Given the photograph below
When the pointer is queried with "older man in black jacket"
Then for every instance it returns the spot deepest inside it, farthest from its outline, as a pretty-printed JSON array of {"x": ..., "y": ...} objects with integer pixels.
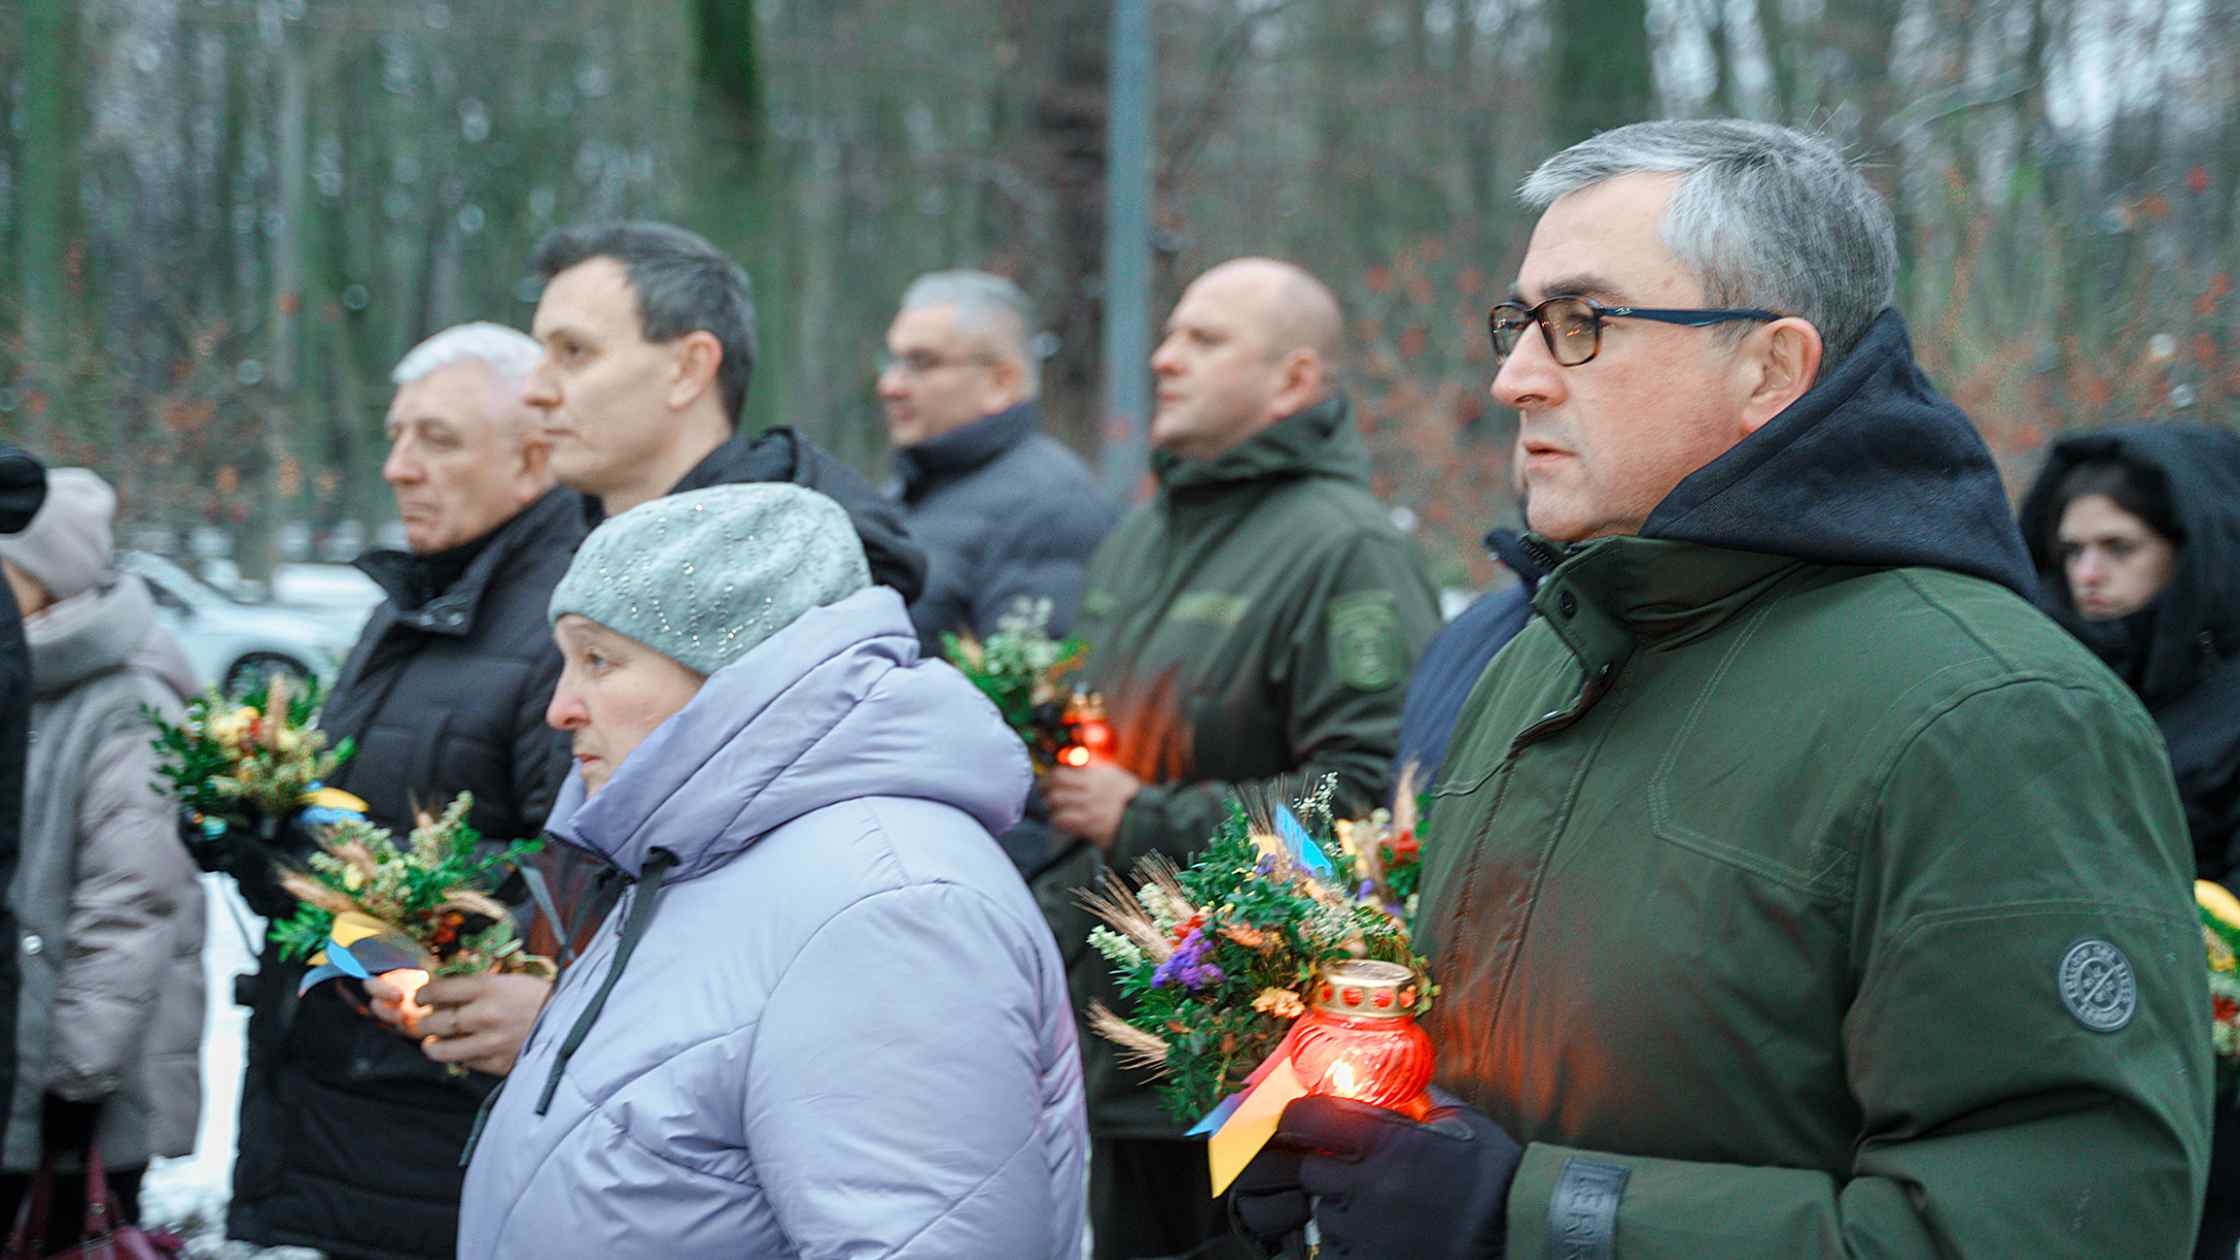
[{"x": 350, "y": 1138}]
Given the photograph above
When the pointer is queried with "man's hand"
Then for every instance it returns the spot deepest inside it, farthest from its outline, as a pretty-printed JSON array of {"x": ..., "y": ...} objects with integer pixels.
[
  {"x": 1380, "y": 1184},
  {"x": 479, "y": 1022},
  {"x": 1088, "y": 801}
]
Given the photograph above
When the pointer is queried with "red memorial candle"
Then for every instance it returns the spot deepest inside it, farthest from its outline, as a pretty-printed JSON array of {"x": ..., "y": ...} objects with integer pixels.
[{"x": 1360, "y": 1039}]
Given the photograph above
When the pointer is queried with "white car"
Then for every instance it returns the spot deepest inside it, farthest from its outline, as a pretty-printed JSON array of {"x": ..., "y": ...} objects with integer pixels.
[{"x": 231, "y": 644}]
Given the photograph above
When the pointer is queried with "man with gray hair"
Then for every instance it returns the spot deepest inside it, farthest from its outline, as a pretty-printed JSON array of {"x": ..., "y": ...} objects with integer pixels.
[
  {"x": 1794, "y": 887},
  {"x": 444, "y": 693},
  {"x": 1006, "y": 514}
]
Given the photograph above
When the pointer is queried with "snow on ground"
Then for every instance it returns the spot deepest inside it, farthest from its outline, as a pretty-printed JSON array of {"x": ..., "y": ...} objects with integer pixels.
[{"x": 190, "y": 1193}]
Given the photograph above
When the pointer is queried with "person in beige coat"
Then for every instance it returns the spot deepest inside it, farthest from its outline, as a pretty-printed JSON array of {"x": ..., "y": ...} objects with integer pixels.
[{"x": 109, "y": 913}]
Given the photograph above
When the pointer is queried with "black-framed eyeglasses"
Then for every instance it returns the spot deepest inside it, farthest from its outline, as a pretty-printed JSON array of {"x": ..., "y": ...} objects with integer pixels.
[
  {"x": 924, "y": 362},
  {"x": 1572, "y": 325}
]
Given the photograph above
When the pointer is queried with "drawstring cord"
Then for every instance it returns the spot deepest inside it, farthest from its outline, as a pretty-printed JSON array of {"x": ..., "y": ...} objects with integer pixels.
[{"x": 641, "y": 913}]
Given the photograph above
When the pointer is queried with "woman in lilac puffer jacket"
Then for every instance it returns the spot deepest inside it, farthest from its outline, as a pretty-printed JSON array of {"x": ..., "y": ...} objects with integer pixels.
[{"x": 826, "y": 1018}]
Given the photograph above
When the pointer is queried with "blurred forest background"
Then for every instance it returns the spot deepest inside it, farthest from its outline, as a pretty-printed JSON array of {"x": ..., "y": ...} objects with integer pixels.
[{"x": 222, "y": 221}]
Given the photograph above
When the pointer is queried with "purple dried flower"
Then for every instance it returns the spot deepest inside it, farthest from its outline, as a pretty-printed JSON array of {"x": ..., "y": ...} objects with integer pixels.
[{"x": 1189, "y": 966}]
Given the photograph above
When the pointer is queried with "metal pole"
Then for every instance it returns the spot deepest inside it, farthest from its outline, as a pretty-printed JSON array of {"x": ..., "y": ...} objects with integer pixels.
[{"x": 1127, "y": 247}]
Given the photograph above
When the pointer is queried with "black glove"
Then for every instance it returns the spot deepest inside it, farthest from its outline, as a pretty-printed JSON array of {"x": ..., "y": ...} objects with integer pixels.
[
  {"x": 66, "y": 1127},
  {"x": 1380, "y": 1184}
]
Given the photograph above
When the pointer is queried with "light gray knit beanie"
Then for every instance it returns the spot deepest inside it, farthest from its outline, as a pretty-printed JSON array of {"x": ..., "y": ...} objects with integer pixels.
[
  {"x": 70, "y": 545},
  {"x": 703, "y": 577}
]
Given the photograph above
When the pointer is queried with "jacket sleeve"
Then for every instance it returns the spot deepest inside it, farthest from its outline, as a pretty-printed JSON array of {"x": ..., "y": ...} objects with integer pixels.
[
  {"x": 896, "y": 1094},
  {"x": 1343, "y": 664},
  {"x": 2020, "y": 1093},
  {"x": 131, "y": 876}
]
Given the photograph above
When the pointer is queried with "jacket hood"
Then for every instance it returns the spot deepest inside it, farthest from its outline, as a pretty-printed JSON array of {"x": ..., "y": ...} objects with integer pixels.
[
  {"x": 1871, "y": 467},
  {"x": 109, "y": 627},
  {"x": 1318, "y": 442},
  {"x": 2196, "y": 620},
  {"x": 835, "y": 707}
]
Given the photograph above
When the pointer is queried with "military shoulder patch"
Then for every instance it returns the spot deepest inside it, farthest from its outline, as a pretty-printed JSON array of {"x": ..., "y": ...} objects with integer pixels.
[
  {"x": 2098, "y": 985},
  {"x": 1365, "y": 641}
]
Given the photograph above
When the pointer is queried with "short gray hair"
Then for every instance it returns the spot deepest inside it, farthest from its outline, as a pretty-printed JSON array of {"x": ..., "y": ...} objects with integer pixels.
[
  {"x": 510, "y": 353},
  {"x": 1764, "y": 216},
  {"x": 985, "y": 303}
]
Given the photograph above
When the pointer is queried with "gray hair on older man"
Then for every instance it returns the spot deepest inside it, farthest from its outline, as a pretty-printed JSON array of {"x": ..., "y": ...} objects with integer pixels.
[{"x": 1765, "y": 216}]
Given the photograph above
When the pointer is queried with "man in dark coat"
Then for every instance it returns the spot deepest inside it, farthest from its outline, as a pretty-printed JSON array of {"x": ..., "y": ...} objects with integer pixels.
[
  {"x": 23, "y": 487},
  {"x": 1794, "y": 887},
  {"x": 1257, "y": 619},
  {"x": 1007, "y": 515},
  {"x": 649, "y": 347},
  {"x": 350, "y": 1137}
]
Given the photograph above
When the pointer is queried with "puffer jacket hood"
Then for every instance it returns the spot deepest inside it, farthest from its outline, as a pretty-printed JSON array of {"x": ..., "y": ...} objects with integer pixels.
[
  {"x": 826, "y": 1018},
  {"x": 1872, "y": 466},
  {"x": 842, "y": 709},
  {"x": 106, "y": 628}
]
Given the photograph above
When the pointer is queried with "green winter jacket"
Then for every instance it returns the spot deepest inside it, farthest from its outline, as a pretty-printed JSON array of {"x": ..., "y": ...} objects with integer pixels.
[
  {"x": 1257, "y": 618},
  {"x": 1828, "y": 903}
]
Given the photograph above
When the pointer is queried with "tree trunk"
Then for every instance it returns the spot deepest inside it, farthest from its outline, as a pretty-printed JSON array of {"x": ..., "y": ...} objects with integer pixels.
[
  {"x": 48, "y": 175},
  {"x": 1603, "y": 77}
]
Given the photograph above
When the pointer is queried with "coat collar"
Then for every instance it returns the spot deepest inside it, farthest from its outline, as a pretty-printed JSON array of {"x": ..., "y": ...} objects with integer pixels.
[
  {"x": 1605, "y": 597},
  {"x": 1320, "y": 441},
  {"x": 452, "y": 611},
  {"x": 962, "y": 450}
]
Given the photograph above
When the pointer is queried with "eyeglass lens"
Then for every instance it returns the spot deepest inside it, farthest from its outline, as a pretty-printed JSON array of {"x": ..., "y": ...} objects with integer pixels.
[{"x": 1570, "y": 325}]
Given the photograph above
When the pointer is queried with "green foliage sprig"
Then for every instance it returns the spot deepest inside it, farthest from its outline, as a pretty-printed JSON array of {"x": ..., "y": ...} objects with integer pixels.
[{"x": 1023, "y": 671}]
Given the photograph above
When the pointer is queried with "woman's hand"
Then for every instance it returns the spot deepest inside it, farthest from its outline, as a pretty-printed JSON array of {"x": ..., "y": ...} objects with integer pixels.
[{"x": 479, "y": 1022}]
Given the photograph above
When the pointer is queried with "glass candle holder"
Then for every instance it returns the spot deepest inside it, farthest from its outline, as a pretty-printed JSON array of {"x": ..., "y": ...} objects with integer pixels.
[{"x": 1359, "y": 1039}]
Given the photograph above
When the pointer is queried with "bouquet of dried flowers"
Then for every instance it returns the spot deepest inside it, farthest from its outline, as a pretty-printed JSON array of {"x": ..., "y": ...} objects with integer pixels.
[
  {"x": 1024, "y": 672},
  {"x": 251, "y": 762},
  {"x": 370, "y": 907},
  {"x": 1215, "y": 960}
]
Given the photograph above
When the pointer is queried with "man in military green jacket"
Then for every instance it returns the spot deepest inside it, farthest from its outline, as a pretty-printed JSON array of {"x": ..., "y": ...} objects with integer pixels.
[
  {"x": 1257, "y": 618},
  {"x": 1794, "y": 888}
]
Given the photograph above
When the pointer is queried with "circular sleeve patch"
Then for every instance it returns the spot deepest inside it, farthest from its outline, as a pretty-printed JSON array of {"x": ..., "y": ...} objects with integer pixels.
[{"x": 2098, "y": 985}]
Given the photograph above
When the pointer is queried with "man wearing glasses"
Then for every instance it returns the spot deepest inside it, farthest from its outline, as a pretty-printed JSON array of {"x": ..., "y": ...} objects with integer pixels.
[
  {"x": 1793, "y": 887},
  {"x": 1006, "y": 514}
]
